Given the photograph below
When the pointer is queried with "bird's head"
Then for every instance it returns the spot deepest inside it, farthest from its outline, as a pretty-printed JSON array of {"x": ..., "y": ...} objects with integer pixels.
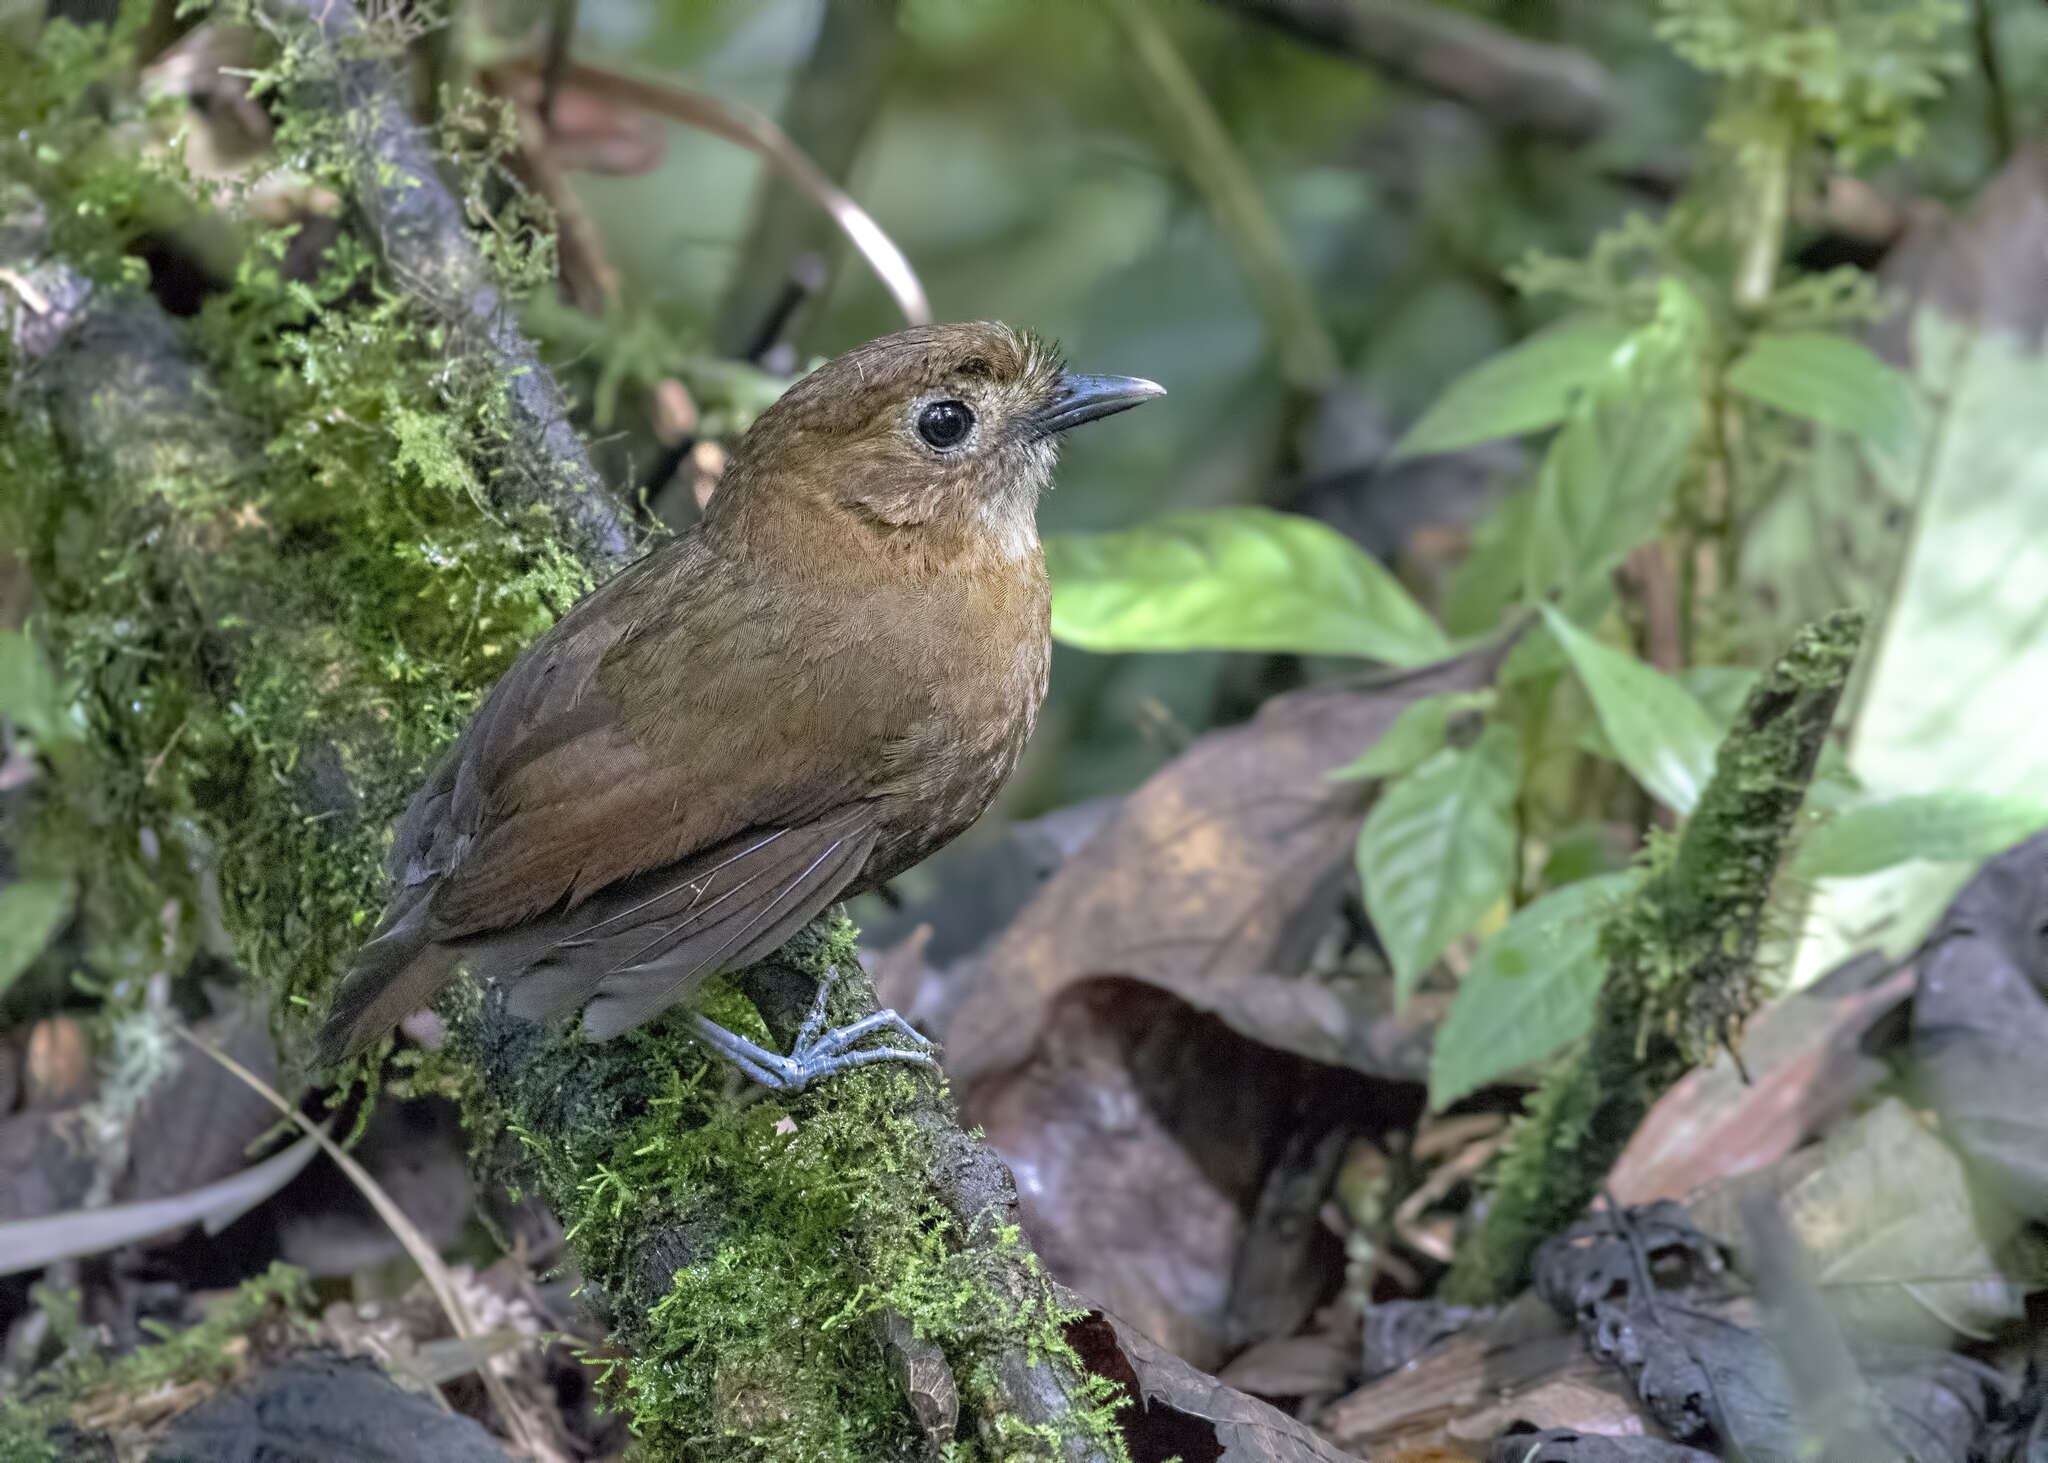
[{"x": 954, "y": 427}]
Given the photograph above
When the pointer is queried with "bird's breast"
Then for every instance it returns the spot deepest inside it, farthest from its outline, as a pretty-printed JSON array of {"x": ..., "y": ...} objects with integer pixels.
[{"x": 984, "y": 661}]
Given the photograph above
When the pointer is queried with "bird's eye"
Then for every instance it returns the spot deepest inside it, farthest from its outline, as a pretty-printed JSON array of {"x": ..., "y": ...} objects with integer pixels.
[{"x": 944, "y": 423}]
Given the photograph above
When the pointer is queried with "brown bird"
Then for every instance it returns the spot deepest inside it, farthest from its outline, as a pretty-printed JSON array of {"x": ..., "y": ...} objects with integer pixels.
[{"x": 820, "y": 683}]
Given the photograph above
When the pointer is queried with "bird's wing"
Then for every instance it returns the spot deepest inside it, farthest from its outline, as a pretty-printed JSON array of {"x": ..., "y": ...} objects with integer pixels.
[
  {"x": 636, "y": 947},
  {"x": 582, "y": 850}
]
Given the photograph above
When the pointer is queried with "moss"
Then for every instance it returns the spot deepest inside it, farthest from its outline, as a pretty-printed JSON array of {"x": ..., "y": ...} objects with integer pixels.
[
  {"x": 264, "y": 1315},
  {"x": 744, "y": 1251},
  {"x": 1681, "y": 955},
  {"x": 268, "y": 559},
  {"x": 276, "y": 570}
]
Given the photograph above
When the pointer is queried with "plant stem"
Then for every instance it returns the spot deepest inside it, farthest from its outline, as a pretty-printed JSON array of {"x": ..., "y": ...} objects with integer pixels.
[
  {"x": 1769, "y": 176},
  {"x": 1191, "y": 128}
]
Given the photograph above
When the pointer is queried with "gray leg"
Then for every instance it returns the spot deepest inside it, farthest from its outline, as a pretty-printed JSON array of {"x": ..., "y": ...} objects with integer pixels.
[{"x": 816, "y": 1052}]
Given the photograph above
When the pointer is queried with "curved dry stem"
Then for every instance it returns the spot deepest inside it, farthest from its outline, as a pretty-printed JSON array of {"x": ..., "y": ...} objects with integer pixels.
[{"x": 760, "y": 134}]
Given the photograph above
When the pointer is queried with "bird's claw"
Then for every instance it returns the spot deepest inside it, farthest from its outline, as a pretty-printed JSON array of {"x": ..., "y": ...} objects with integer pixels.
[{"x": 815, "y": 1053}]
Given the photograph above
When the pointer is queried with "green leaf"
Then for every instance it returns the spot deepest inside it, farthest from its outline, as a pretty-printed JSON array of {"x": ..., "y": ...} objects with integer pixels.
[
  {"x": 1719, "y": 689},
  {"x": 29, "y": 695},
  {"x": 1904, "y": 1245},
  {"x": 1525, "y": 388},
  {"x": 1438, "y": 850},
  {"x": 1954, "y": 826},
  {"x": 1489, "y": 578},
  {"x": 1955, "y": 670},
  {"x": 1609, "y": 476},
  {"x": 1658, "y": 731},
  {"x": 1234, "y": 579},
  {"x": 31, "y": 911},
  {"x": 1832, "y": 380},
  {"x": 1530, "y": 990},
  {"x": 1417, "y": 734}
]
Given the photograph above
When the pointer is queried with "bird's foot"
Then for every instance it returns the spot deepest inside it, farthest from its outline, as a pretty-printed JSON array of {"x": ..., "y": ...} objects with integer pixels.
[{"x": 816, "y": 1052}]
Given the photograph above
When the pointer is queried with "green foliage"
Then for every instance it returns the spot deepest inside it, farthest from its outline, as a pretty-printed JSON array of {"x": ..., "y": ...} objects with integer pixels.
[
  {"x": 1953, "y": 698},
  {"x": 1680, "y": 952},
  {"x": 1832, "y": 380},
  {"x": 1525, "y": 388},
  {"x": 1529, "y": 992},
  {"x": 31, "y": 911},
  {"x": 1438, "y": 850},
  {"x": 29, "y": 694},
  {"x": 1652, "y": 722},
  {"x": 1418, "y": 733},
  {"x": 1611, "y": 473},
  {"x": 1689, "y": 394},
  {"x": 358, "y": 585},
  {"x": 1234, "y": 579},
  {"x": 1858, "y": 72},
  {"x": 273, "y": 1309},
  {"x": 1958, "y": 825}
]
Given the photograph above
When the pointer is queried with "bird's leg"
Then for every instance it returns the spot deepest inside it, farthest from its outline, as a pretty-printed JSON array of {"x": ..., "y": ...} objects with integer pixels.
[{"x": 816, "y": 1052}]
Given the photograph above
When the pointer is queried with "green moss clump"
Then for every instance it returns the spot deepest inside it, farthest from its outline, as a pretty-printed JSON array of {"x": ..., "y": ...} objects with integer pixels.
[
  {"x": 266, "y": 1314},
  {"x": 267, "y": 545},
  {"x": 744, "y": 1251},
  {"x": 1681, "y": 956}
]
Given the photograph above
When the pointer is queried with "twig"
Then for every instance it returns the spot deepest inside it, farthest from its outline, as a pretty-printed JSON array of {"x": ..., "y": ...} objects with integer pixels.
[
  {"x": 1770, "y": 184},
  {"x": 587, "y": 272},
  {"x": 1308, "y": 357},
  {"x": 561, "y": 33},
  {"x": 419, "y": 226},
  {"x": 1549, "y": 91},
  {"x": 832, "y": 105},
  {"x": 747, "y": 127}
]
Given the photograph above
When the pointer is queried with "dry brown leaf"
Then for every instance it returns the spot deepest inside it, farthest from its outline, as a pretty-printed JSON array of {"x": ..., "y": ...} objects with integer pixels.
[
  {"x": 1185, "y": 1411},
  {"x": 1294, "y": 1366},
  {"x": 1151, "y": 1146},
  {"x": 1212, "y": 881},
  {"x": 1523, "y": 1364},
  {"x": 1802, "y": 1066},
  {"x": 1980, "y": 1025}
]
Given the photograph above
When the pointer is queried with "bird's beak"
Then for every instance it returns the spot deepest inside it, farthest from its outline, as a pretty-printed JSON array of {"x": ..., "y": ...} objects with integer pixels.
[{"x": 1086, "y": 398}]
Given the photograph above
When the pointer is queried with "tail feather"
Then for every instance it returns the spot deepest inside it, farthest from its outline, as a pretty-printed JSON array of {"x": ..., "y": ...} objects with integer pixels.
[{"x": 393, "y": 975}]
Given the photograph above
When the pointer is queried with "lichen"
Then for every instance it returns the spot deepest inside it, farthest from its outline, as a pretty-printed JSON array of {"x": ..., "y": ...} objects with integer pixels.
[{"x": 1681, "y": 957}]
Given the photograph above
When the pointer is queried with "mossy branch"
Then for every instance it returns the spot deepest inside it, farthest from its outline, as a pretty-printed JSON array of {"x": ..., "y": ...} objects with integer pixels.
[
  {"x": 419, "y": 228},
  {"x": 1681, "y": 957},
  {"x": 276, "y": 591},
  {"x": 748, "y": 1254}
]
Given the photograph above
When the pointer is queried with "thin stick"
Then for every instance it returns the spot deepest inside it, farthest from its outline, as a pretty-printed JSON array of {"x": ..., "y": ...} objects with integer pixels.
[
  {"x": 760, "y": 134},
  {"x": 406, "y": 1232}
]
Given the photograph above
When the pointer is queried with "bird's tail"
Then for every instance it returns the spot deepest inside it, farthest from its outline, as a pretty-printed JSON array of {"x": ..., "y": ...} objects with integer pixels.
[{"x": 393, "y": 975}]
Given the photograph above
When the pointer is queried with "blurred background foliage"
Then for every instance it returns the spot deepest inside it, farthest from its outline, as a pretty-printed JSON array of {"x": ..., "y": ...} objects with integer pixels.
[
  {"x": 1013, "y": 160},
  {"x": 1720, "y": 166}
]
